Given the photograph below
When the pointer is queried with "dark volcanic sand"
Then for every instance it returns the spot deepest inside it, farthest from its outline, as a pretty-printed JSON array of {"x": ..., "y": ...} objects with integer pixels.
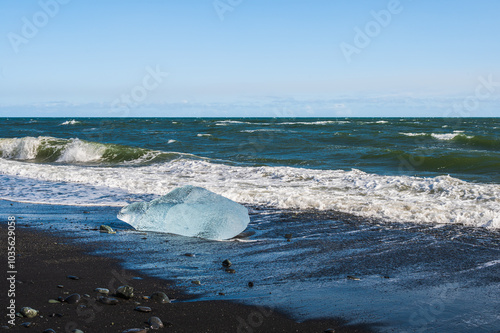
[{"x": 43, "y": 262}]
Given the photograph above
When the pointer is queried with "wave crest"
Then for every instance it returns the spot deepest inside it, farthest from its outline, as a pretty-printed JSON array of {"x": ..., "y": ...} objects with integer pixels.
[{"x": 45, "y": 149}]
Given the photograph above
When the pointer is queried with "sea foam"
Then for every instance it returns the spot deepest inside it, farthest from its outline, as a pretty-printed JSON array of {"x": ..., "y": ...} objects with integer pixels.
[{"x": 441, "y": 199}]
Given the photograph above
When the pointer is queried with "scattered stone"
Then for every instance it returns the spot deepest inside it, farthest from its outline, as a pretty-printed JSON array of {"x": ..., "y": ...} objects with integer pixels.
[
  {"x": 155, "y": 323},
  {"x": 330, "y": 330},
  {"x": 159, "y": 297},
  {"x": 196, "y": 282},
  {"x": 60, "y": 286},
  {"x": 143, "y": 309},
  {"x": 106, "y": 229},
  {"x": 53, "y": 301},
  {"x": 49, "y": 330},
  {"x": 28, "y": 312},
  {"x": 58, "y": 315},
  {"x": 27, "y": 324},
  {"x": 288, "y": 236},
  {"x": 136, "y": 330},
  {"x": 226, "y": 263},
  {"x": 230, "y": 270},
  {"x": 107, "y": 300},
  {"x": 146, "y": 297},
  {"x": 102, "y": 291},
  {"x": 72, "y": 299},
  {"x": 250, "y": 284},
  {"x": 73, "y": 277},
  {"x": 86, "y": 295},
  {"x": 189, "y": 254},
  {"x": 126, "y": 292},
  {"x": 352, "y": 277},
  {"x": 76, "y": 330},
  {"x": 222, "y": 294},
  {"x": 386, "y": 277}
]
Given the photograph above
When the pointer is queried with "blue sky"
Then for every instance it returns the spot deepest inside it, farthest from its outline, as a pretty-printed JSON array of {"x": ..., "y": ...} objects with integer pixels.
[{"x": 249, "y": 58}]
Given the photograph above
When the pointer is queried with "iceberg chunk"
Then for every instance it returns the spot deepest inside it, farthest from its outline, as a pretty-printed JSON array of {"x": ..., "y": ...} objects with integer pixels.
[{"x": 188, "y": 211}]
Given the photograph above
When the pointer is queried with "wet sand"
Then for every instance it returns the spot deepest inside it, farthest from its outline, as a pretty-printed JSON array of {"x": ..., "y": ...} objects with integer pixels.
[{"x": 44, "y": 262}]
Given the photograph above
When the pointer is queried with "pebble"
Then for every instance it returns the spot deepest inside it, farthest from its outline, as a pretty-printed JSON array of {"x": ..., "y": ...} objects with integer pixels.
[
  {"x": 49, "y": 330},
  {"x": 102, "y": 291},
  {"x": 135, "y": 330},
  {"x": 53, "y": 301},
  {"x": 107, "y": 300},
  {"x": 230, "y": 270},
  {"x": 226, "y": 263},
  {"x": 330, "y": 330},
  {"x": 58, "y": 315},
  {"x": 27, "y": 324},
  {"x": 143, "y": 309},
  {"x": 189, "y": 254},
  {"x": 60, "y": 286},
  {"x": 222, "y": 294},
  {"x": 155, "y": 323},
  {"x": 106, "y": 229},
  {"x": 76, "y": 330},
  {"x": 352, "y": 277},
  {"x": 196, "y": 282},
  {"x": 160, "y": 297},
  {"x": 126, "y": 292},
  {"x": 250, "y": 284},
  {"x": 28, "y": 312},
  {"x": 73, "y": 277},
  {"x": 72, "y": 299},
  {"x": 288, "y": 236}
]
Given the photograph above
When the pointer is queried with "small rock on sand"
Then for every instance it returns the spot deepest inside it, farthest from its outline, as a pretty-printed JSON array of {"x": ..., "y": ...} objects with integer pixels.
[
  {"x": 155, "y": 323},
  {"x": 143, "y": 309},
  {"x": 352, "y": 277},
  {"x": 226, "y": 263},
  {"x": 160, "y": 297},
  {"x": 72, "y": 299},
  {"x": 126, "y": 292},
  {"x": 102, "y": 291},
  {"x": 107, "y": 300},
  {"x": 28, "y": 312},
  {"x": 106, "y": 229}
]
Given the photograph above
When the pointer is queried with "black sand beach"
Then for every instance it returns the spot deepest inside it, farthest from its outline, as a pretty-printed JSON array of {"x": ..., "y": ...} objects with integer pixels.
[{"x": 44, "y": 263}]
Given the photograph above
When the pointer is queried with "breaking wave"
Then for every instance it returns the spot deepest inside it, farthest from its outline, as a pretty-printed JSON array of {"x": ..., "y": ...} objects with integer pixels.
[
  {"x": 441, "y": 199},
  {"x": 44, "y": 149}
]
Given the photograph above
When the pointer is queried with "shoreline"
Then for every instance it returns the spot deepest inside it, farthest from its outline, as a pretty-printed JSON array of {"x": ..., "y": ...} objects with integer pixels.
[{"x": 44, "y": 261}]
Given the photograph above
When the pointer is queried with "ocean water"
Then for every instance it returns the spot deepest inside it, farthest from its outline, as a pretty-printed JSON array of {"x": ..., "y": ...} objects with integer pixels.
[
  {"x": 399, "y": 170},
  {"x": 410, "y": 206}
]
